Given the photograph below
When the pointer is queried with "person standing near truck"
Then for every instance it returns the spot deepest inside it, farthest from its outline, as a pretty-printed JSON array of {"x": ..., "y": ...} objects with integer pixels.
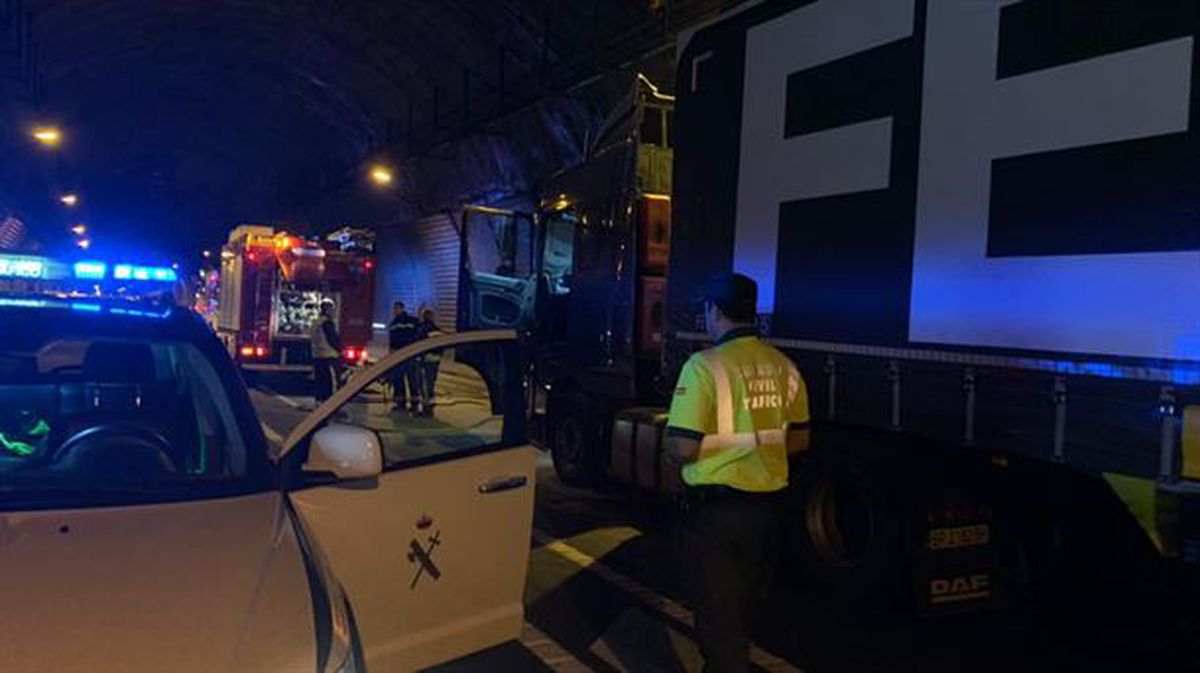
[
  {"x": 406, "y": 379},
  {"x": 430, "y": 362},
  {"x": 740, "y": 409},
  {"x": 326, "y": 346}
]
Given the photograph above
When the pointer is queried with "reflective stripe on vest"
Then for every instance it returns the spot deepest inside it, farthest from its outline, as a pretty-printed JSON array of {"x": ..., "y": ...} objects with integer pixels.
[
  {"x": 742, "y": 440},
  {"x": 793, "y": 383},
  {"x": 724, "y": 391},
  {"x": 321, "y": 348},
  {"x": 726, "y": 437}
]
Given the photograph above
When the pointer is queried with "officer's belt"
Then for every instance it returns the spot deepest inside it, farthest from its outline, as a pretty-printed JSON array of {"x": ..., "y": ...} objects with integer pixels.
[{"x": 743, "y": 440}]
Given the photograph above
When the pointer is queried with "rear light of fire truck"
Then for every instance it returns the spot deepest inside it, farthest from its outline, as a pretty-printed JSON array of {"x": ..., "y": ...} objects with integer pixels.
[{"x": 354, "y": 354}]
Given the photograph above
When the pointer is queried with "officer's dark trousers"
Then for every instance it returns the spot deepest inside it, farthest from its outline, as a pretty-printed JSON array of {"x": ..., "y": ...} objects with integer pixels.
[
  {"x": 731, "y": 544},
  {"x": 324, "y": 370}
]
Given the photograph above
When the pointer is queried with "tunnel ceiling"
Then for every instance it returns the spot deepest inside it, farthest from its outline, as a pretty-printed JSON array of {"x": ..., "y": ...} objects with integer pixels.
[{"x": 188, "y": 116}]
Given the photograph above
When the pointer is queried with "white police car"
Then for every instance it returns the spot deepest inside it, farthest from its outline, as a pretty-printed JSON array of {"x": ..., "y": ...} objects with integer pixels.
[{"x": 145, "y": 527}]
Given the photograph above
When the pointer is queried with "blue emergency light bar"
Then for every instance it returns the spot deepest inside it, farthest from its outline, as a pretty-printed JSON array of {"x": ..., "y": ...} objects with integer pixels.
[
  {"x": 91, "y": 270},
  {"x": 97, "y": 271},
  {"x": 20, "y": 266},
  {"x": 132, "y": 272}
]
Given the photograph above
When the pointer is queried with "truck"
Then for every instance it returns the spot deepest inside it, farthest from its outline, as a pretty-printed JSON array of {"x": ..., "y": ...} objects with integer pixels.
[
  {"x": 979, "y": 244},
  {"x": 272, "y": 284}
]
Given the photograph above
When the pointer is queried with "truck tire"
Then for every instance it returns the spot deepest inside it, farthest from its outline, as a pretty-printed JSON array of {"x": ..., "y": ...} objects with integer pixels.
[
  {"x": 846, "y": 527},
  {"x": 576, "y": 440}
]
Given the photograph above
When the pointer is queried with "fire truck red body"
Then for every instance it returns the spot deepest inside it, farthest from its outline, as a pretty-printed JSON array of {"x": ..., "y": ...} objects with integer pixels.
[{"x": 273, "y": 284}]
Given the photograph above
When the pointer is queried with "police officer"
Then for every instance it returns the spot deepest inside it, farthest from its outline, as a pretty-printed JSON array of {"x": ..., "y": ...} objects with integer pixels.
[
  {"x": 326, "y": 346},
  {"x": 430, "y": 362},
  {"x": 739, "y": 411},
  {"x": 404, "y": 329}
]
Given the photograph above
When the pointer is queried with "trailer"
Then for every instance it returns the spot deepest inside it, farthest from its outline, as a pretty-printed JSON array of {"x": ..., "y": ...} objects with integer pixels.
[
  {"x": 980, "y": 247},
  {"x": 272, "y": 286}
]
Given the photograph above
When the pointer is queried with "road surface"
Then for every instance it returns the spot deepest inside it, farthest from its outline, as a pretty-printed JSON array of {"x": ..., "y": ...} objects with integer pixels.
[{"x": 605, "y": 593}]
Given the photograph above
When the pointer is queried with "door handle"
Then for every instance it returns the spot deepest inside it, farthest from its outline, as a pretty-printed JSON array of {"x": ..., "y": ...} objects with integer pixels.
[{"x": 498, "y": 484}]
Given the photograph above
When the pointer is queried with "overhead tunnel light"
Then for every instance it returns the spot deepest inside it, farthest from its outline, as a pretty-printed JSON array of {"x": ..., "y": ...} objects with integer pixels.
[
  {"x": 48, "y": 136},
  {"x": 382, "y": 175}
]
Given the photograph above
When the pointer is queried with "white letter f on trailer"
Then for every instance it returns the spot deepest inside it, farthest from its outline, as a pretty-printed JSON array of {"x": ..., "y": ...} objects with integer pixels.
[{"x": 775, "y": 169}]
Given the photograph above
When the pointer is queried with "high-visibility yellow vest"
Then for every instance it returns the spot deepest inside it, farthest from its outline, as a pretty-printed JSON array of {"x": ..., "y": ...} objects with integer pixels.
[
  {"x": 321, "y": 348},
  {"x": 739, "y": 398}
]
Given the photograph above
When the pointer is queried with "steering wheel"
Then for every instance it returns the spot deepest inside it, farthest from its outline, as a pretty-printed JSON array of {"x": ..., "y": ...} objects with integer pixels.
[{"x": 122, "y": 451}]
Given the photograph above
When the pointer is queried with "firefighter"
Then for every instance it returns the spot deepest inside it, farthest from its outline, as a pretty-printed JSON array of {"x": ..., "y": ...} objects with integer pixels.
[
  {"x": 326, "y": 352},
  {"x": 740, "y": 409},
  {"x": 403, "y": 330},
  {"x": 430, "y": 362}
]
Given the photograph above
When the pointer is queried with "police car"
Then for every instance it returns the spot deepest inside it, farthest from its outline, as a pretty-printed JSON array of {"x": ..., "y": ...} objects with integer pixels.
[{"x": 146, "y": 525}]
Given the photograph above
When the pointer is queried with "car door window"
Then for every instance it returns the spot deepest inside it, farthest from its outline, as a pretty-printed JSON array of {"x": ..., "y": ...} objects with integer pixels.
[{"x": 440, "y": 403}]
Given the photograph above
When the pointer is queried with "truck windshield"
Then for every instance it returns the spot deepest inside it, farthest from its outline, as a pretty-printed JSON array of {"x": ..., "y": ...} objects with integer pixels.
[{"x": 88, "y": 421}]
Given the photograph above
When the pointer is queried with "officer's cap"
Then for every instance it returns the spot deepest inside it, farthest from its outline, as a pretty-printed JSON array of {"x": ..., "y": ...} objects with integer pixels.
[{"x": 735, "y": 294}]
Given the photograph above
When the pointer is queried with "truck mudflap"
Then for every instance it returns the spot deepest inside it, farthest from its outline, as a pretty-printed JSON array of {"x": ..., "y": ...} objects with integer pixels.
[
  {"x": 956, "y": 536},
  {"x": 956, "y": 562}
]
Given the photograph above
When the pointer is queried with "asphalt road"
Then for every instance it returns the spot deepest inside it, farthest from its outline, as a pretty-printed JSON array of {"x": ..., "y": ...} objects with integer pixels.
[{"x": 605, "y": 593}]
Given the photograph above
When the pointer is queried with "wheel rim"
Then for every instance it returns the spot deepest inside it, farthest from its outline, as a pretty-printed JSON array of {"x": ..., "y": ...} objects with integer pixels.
[{"x": 840, "y": 522}]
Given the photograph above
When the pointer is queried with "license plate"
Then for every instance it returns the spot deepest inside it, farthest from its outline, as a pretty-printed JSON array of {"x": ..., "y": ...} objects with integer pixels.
[{"x": 958, "y": 537}]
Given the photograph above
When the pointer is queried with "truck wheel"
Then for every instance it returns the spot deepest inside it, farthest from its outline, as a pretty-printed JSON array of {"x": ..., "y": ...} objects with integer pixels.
[
  {"x": 576, "y": 436},
  {"x": 847, "y": 533}
]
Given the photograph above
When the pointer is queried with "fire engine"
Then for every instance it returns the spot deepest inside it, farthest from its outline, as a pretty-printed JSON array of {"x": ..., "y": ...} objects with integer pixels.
[{"x": 272, "y": 285}]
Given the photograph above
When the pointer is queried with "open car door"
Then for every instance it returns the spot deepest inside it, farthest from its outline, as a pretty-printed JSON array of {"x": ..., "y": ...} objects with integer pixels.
[{"x": 430, "y": 543}]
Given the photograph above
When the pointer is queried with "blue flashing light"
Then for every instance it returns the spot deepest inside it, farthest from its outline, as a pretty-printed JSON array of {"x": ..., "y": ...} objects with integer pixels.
[
  {"x": 23, "y": 303},
  {"x": 15, "y": 266},
  {"x": 161, "y": 274},
  {"x": 91, "y": 270},
  {"x": 138, "y": 313},
  {"x": 88, "y": 308}
]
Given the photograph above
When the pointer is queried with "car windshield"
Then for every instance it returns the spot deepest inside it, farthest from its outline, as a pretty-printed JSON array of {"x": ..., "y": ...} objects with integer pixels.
[{"x": 88, "y": 421}]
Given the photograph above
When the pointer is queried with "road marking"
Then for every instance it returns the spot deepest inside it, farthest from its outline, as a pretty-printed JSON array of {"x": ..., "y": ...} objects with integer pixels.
[
  {"x": 272, "y": 436},
  {"x": 548, "y": 570},
  {"x": 672, "y": 609},
  {"x": 282, "y": 398},
  {"x": 287, "y": 400},
  {"x": 549, "y": 652}
]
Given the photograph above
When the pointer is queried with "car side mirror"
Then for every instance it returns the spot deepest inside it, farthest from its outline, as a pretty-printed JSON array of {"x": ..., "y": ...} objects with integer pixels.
[{"x": 346, "y": 451}]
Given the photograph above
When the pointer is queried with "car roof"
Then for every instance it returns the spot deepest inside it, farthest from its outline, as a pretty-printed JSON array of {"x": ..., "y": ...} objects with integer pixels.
[{"x": 100, "y": 316}]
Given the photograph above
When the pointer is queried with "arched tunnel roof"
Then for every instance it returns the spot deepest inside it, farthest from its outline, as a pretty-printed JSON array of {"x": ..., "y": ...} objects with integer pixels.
[{"x": 200, "y": 113}]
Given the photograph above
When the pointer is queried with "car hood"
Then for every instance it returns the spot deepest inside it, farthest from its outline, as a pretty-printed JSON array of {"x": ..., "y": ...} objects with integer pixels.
[{"x": 196, "y": 586}]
